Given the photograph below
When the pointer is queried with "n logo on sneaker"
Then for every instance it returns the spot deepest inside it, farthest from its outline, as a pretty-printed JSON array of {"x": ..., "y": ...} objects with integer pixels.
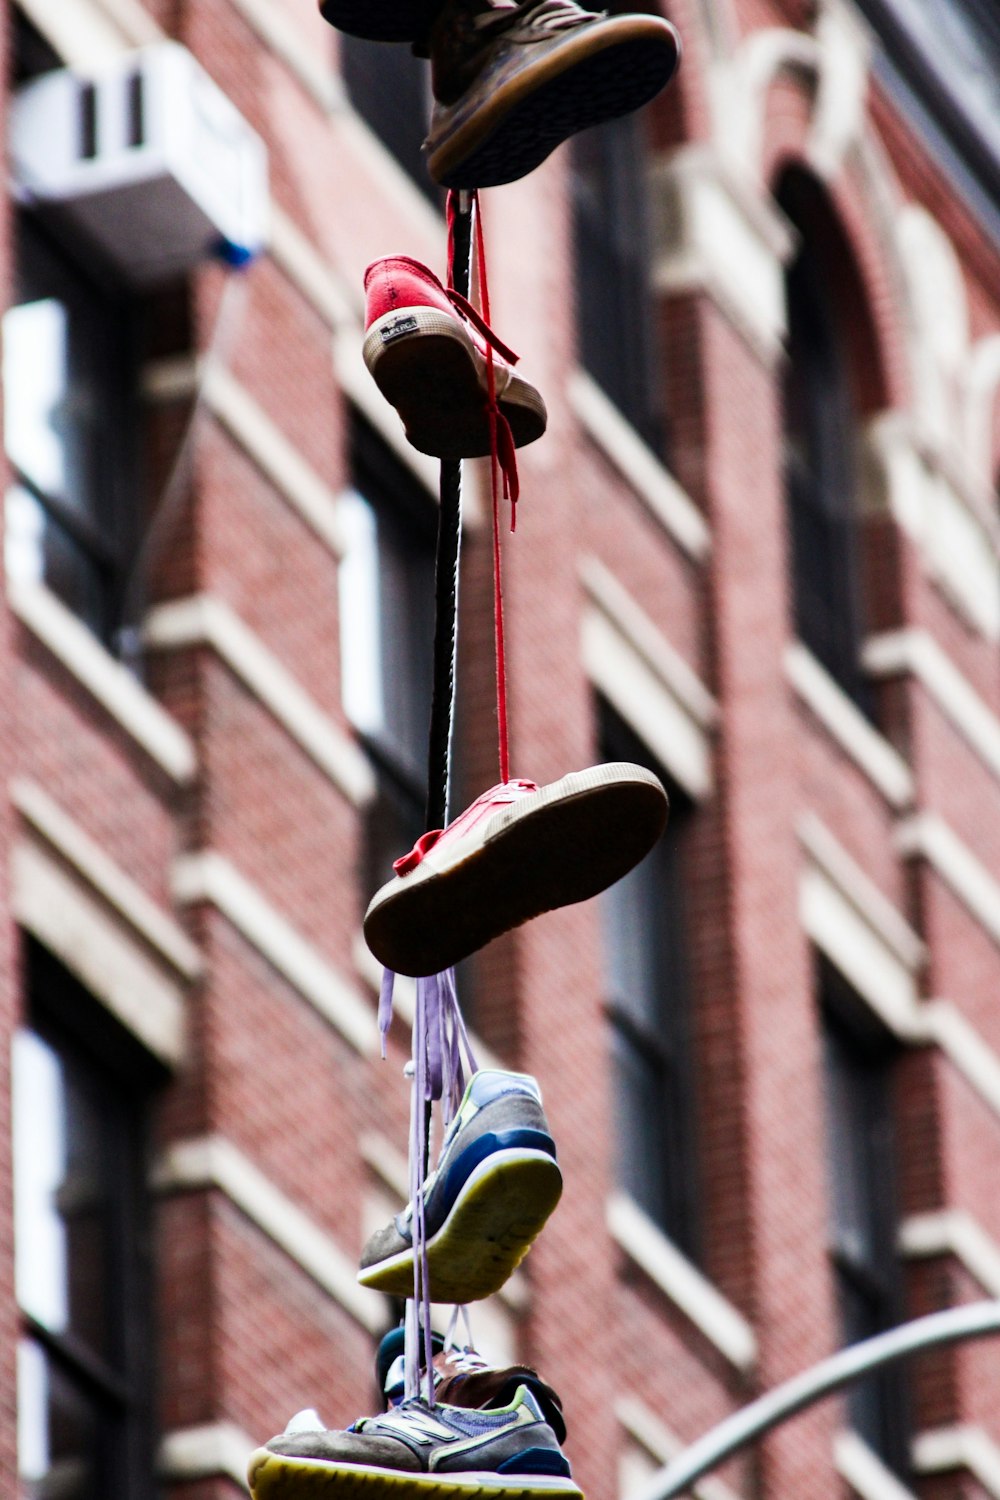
[{"x": 421, "y": 1426}]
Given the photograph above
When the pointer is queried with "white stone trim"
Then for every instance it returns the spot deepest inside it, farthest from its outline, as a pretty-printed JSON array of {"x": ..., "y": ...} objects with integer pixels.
[
  {"x": 927, "y": 836},
  {"x": 639, "y": 466},
  {"x": 254, "y": 431},
  {"x": 915, "y": 651},
  {"x": 84, "y": 38},
  {"x": 213, "y": 1162},
  {"x": 859, "y": 931},
  {"x": 208, "y": 877},
  {"x": 958, "y": 544},
  {"x": 73, "y": 922},
  {"x": 663, "y": 1445},
  {"x": 864, "y": 1471},
  {"x": 632, "y": 664},
  {"x": 870, "y": 751},
  {"x": 943, "y": 1448},
  {"x": 826, "y": 851},
  {"x": 134, "y": 22},
  {"x": 205, "y": 620},
  {"x": 953, "y": 1231},
  {"x": 974, "y": 1058},
  {"x": 312, "y": 275},
  {"x": 145, "y": 721},
  {"x": 857, "y": 949},
  {"x": 288, "y": 42},
  {"x": 378, "y": 1153},
  {"x": 718, "y": 1320},
  {"x": 872, "y": 945},
  {"x": 716, "y": 235},
  {"x": 274, "y": 454},
  {"x": 108, "y": 879},
  {"x": 213, "y": 1448}
]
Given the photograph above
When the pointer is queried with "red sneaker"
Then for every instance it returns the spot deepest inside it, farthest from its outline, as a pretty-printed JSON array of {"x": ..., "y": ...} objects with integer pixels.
[
  {"x": 426, "y": 348},
  {"x": 518, "y": 851}
]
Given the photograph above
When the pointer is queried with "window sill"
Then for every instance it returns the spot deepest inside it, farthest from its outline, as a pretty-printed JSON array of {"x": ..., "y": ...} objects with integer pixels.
[
  {"x": 884, "y": 767},
  {"x": 639, "y": 466},
  {"x": 864, "y": 1471},
  {"x": 685, "y": 1286},
  {"x": 117, "y": 691}
]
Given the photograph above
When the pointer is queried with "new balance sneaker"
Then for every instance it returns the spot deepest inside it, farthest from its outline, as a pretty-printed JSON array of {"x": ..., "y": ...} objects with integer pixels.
[
  {"x": 427, "y": 351},
  {"x": 419, "y": 1452},
  {"x": 495, "y": 1184},
  {"x": 518, "y": 851},
  {"x": 512, "y": 81}
]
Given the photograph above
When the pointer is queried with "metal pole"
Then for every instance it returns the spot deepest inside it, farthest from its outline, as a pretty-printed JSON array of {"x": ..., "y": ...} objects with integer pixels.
[{"x": 975, "y": 1320}]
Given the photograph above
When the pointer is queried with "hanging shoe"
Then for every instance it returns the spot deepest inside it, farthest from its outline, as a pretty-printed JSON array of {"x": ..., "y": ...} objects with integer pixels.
[
  {"x": 381, "y": 20},
  {"x": 495, "y": 1184},
  {"x": 426, "y": 349},
  {"x": 463, "y": 1378},
  {"x": 518, "y": 851},
  {"x": 512, "y": 81},
  {"x": 419, "y": 1452}
]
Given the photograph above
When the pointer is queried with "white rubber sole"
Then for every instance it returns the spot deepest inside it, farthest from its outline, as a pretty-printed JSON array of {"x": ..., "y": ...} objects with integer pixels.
[{"x": 562, "y": 844}]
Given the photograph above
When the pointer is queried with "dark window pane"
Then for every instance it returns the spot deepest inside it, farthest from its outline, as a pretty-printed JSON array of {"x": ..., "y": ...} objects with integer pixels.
[
  {"x": 615, "y": 308},
  {"x": 649, "y": 1002},
  {"x": 390, "y": 89},
  {"x": 60, "y": 1438},
  {"x": 69, "y": 432},
  {"x": 80, "y": 1171},
  {"x": 858, "y": 1059},
  {"x": 387, "y": 642}
]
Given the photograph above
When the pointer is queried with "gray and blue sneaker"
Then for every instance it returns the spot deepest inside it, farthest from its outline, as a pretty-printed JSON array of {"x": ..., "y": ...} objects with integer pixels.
[
  {"x": 495, "y": 1184},
  {"x": 417, "y": 1451}
]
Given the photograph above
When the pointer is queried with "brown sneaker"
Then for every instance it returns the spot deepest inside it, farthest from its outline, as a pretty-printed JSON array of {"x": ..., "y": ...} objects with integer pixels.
[
  {"x": 512, "y": 81},
  {"x": 382, "y": 20}
]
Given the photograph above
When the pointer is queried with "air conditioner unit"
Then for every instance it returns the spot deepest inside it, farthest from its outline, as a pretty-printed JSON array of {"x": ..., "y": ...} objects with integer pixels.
[{"x": 150, "y": 162}]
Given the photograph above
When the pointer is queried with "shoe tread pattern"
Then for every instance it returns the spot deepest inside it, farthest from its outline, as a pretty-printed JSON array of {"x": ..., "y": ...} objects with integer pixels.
[
  {"x": 432, "y": 383},
  {"x": 603, "y": 87},
  {"x": 491, "y": 1227},
  {"x": 558, "y": 854}
]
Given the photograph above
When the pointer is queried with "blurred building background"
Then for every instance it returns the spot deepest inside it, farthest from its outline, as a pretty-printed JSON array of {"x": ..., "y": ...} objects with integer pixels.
[{"x": 757, "y": 550}]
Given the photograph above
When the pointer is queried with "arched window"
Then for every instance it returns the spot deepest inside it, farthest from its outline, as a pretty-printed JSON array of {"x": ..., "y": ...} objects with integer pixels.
[{"x": 823, "y": 405}]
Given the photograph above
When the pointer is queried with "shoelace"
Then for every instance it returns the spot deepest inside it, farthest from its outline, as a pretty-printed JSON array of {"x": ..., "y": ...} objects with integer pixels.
[
  {"x": 523, "y": 22},
  {"x": 439, "y": 1034}
]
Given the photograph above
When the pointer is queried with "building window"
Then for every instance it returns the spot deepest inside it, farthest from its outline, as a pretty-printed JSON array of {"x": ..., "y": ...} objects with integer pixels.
[
  {"x": 81, "y": 1238},
  {"x": 387, "y": 641},
  {"x": 70, "y": 432},
  {"x": 391, "y": 91},
  {"x": 821, "y": 444},
  {"x": 858, "y": 1060},
  {"x": 940, "y": 60},
  {"x": 616, "y": 311},
  {"x": 649, "y": 1005}
]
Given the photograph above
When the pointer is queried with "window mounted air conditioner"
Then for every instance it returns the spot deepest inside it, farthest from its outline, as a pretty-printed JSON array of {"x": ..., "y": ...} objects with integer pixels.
[{"x": 150, "y": 162}]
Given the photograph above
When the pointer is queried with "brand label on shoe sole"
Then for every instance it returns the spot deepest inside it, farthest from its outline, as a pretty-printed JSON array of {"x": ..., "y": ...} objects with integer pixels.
[{"x": 396, "y": 330}]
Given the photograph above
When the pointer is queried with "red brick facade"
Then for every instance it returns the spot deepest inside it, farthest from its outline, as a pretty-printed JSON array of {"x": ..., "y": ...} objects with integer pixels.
[{"x": 228, "y": 794}]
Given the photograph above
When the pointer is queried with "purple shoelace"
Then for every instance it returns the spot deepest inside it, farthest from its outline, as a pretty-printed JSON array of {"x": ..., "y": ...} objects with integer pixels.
[{"x": 442, "y": 1061}]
